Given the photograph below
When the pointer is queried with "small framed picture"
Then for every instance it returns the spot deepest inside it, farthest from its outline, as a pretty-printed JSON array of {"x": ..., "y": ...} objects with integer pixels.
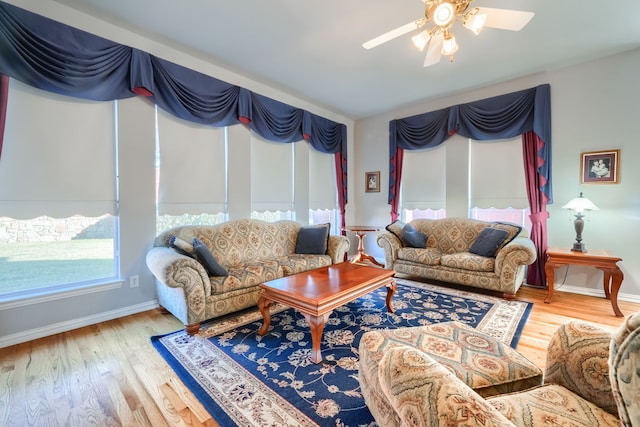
[
  {"x": 372, "y": 182},
  {"x": 600, "y": 167}
]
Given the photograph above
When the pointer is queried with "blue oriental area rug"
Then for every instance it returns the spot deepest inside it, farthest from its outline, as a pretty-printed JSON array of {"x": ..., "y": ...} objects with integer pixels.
[{"x": 244, "y": 379}]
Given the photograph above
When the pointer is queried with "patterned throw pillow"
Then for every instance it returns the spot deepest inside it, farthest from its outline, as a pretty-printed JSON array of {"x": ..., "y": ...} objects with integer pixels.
[
  {"x": 513, "y": 231},
  {"x": 396, "y": 228},
  {"x": 413, "y": 238},
  {"x": 488, "y": 242},
  {"x": 313, "y": 239},
  {"x": 182, "y": 247},
  {"x": 207, "y": 259}
]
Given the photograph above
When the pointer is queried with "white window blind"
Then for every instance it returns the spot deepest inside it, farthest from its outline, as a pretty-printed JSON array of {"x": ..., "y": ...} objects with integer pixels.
[
  {"x": 192, "y": 174},
  {"x": 271, "y": 175},
  {"x": 322, "y": 180},
  {"x": 424, "y": 179},
  {"x": 58, "y": 157},
  {"x": 497, "y": 174}
]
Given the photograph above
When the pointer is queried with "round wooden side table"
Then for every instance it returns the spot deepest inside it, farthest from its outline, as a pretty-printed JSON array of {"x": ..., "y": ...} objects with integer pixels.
[{"x": 361, "y": 231}]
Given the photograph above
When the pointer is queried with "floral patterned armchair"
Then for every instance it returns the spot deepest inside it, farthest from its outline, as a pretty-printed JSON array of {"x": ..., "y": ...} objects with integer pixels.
[{"x": 592, "y": 378}]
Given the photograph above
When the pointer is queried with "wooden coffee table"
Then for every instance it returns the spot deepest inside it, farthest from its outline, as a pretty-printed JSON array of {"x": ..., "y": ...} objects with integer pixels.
[{"x": 316, "y": 293}]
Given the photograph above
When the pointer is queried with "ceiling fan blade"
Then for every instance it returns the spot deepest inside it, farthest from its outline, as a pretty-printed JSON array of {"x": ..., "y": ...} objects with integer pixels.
[
  {"x": 504, "y": 19},
  {"x": 390, "y": 35},
  {"x": 433, "y": 51}
]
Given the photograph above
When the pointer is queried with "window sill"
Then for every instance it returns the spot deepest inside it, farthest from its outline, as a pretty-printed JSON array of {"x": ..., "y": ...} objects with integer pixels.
[{"x": 36, "y": 296}]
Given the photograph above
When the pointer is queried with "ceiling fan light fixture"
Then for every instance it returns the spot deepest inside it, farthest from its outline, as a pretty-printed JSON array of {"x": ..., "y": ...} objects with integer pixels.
[
  {"x": 421, "y": 40},
  {"x": 449, "y": 45},
  {"x": 443, "y": 14},
  {"x": 475, "y": 22}
]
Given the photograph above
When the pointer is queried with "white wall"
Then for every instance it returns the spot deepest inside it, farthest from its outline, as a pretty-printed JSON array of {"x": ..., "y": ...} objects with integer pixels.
[
  {"x": 594, "y": 107},
  {"x": 21, "y": 321}
]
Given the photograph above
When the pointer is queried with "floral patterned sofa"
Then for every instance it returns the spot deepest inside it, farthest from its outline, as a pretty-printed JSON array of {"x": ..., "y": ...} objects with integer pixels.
[
  {"x": 447, "y": 255},
  {"x": 592, "y": 378},
  {"x": 247, "y": 252}
]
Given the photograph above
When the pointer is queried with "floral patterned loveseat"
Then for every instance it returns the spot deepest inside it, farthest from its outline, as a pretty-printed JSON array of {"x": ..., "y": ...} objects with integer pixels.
[
  {"x": 592, "y": 378},
  {"x": 248, "y": 251},
  {"x": 447, "y": 254}
]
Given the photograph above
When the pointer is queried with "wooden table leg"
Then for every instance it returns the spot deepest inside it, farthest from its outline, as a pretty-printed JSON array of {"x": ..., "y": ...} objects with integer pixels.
[
  {"x": 316, "y": 324},
  {"x": 361, "y": 255},
  {"x": 263, "y": 305},
  {"x": 391, "y": 290},
  {"x": 616, "y": 282},
  {"x": 549, "y": 269},
  {"x": 606, "y": 282}
]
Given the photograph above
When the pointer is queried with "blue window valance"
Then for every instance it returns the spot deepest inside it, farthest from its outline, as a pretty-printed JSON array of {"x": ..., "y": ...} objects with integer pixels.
[
  {"x": 55, "y": 57},
  {"x": 504, "y": 116}
]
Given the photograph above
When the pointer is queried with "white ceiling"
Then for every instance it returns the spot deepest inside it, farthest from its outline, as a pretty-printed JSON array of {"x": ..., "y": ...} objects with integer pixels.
[{"x": 313, "y": 50}]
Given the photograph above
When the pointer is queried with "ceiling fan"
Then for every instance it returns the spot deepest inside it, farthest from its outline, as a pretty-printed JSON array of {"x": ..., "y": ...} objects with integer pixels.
[{"x": 442, "y": 14}]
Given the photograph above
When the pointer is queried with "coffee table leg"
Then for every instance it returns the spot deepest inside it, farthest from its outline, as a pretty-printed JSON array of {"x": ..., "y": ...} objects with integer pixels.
[
  {"x": 263, "y": 305},
  {"x": 391, "y": 290},
  {"x": 316, "y": 324}
]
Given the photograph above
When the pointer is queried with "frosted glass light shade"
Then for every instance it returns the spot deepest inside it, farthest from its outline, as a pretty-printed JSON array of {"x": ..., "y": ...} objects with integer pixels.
[
  {"x": 421, "y": 40},
  {"x": 449, "y": 45},
  {"x": 475, "y": 23},
  {"x": 580, "y": 204}
]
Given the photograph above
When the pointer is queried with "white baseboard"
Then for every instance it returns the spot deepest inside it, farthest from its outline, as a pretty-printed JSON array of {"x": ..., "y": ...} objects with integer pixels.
[
  {"x": 595, "y": 293},
  {"x": 45, "y": 331}
]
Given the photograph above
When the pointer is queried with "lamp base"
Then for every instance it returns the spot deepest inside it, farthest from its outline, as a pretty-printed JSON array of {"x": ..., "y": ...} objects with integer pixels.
[{"x": 579, "y": 247}]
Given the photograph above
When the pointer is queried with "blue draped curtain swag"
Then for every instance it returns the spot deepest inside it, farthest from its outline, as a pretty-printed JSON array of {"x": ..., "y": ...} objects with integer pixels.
[
  {"x": 58, "y": 58},
  {"x": 526, "y": 113}
]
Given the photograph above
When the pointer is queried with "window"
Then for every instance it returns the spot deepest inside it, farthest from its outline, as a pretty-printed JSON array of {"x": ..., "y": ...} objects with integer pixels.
[
  {"x": 58, "y": 193},
  {"x": 191, "y": 173},
  {"x": 516, "y": 216},
  {"x": 323, "y": 193},
  {"x": 272, "y": 179},
  {"x": 497, "y": 182},
  {"x": 423, "y": 187}
]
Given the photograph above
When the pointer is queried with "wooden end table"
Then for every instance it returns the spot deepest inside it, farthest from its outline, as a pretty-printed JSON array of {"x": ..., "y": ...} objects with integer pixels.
[
  {"x": 360, "y": 231},
  {"x": 600, "y": 259},
  {"x": 316, "y": 293}
]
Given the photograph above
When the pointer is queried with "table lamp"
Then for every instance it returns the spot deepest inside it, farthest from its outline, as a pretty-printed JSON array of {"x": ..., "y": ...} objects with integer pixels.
[{"x": 580, "y": 204}]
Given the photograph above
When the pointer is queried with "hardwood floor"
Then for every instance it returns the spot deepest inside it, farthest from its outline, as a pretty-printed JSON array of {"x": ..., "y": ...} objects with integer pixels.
[{"x": 109, "y": 374}]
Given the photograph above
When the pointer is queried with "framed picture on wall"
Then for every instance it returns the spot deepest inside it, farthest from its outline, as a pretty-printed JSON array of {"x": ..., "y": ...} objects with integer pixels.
[
  {"x": 372, "y": 182},
  {"x": 600, "y": 167}
]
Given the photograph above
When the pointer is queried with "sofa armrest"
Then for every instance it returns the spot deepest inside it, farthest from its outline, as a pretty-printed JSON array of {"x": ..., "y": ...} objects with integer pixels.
[
  {"x": 520, "y": 251},
  {"x": 338, "y": 248},
  {"x": 577, "y": 359},
  {"x": 178, "y": 271},
  {"x": 390, "y": 243},
  {"x": 425, "y": 393}
]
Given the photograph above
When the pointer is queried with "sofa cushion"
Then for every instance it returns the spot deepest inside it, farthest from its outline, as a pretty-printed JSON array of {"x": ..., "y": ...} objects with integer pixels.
[
  {"x": 487, "y": 365},
  {"x": 428, "y": 256},
  {"x": 396, "y": 228},
  {"x": 554, "y": 404},
  {"x": 413, "y": 238},
  {"x": 248, "y": 275},
  {"x": 207, "y": 259},
  {"x": 423, "y": 392},
  {"x": 468, "y": 261},
  {"x": 488, "y": 242},
  {"x": 313, "y": 239},
  {"x": 298, "y": 263}
]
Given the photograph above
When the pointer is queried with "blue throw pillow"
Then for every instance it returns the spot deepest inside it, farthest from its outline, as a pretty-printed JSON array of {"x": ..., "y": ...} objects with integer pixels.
[
  {"x": 488, "y": 242},
  {"x": 207, "y": 259},
  {"x": 413, "y": 238},
  {"x": 313, "y": 240}
]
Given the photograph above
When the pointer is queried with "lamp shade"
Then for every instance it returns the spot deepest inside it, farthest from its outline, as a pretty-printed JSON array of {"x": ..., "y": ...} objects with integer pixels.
[{"x": 580, "y": 204}]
